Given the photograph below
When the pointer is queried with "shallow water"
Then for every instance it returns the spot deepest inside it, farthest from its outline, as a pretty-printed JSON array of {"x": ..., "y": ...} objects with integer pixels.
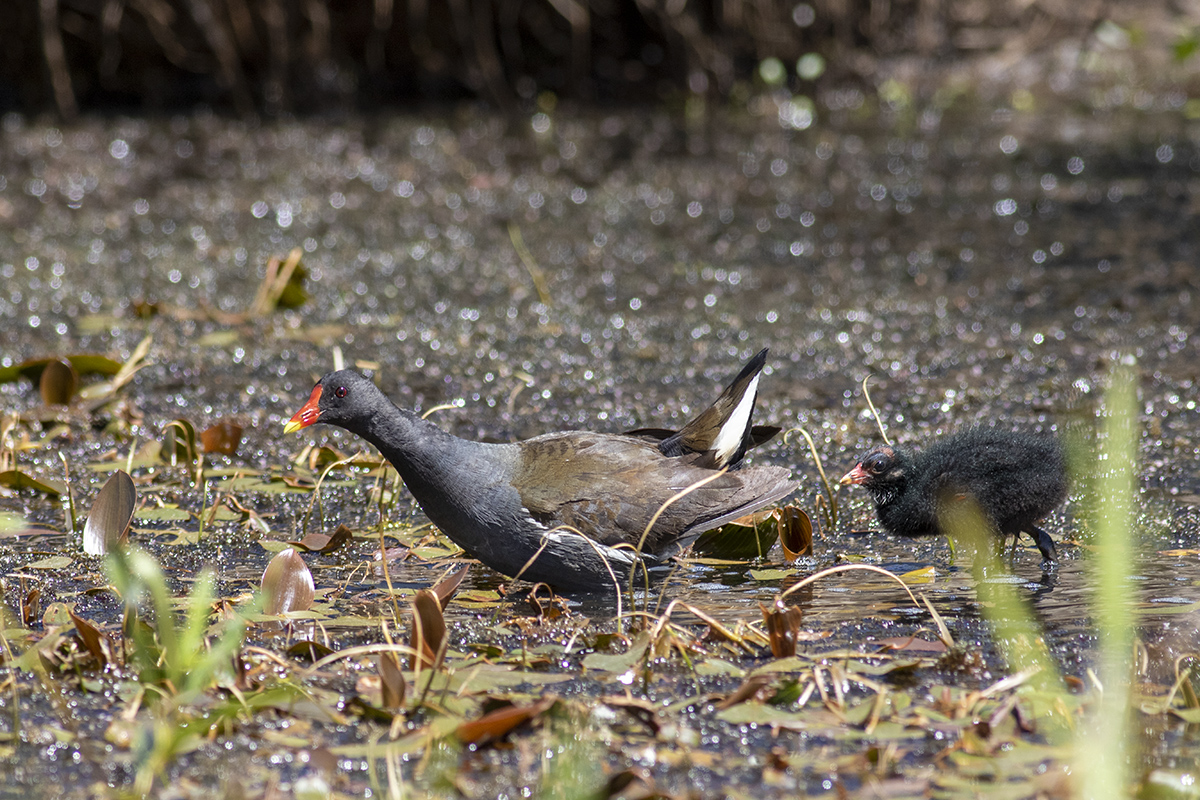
[{"x": 982, "y": 266}]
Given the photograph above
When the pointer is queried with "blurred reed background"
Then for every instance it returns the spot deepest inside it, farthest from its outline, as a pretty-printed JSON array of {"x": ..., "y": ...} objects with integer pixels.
[{"x": 304, "y": 56}]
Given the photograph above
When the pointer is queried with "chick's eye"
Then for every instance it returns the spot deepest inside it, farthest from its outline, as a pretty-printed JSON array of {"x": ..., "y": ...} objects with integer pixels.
[
  {"x": 876, "y": 462},
  {"x": 339, "y": 392}
]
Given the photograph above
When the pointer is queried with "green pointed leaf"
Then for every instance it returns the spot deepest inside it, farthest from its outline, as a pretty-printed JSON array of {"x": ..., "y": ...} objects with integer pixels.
[{"x": 15, "y": 479}]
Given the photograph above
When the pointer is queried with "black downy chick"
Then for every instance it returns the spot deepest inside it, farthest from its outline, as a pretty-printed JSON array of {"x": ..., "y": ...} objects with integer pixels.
[{"x": 1016, "y": 479}]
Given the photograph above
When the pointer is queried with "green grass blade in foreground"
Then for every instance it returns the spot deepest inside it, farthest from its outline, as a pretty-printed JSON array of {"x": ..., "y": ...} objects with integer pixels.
[
  {"x": 183, "y": 656},
  {"x": 1017, "y": 632},
  {"x": 1111, "y": 564}
]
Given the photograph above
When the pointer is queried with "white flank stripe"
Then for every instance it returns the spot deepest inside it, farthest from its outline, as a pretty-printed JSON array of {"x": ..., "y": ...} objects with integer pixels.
[{"x": 730, "y": 437}]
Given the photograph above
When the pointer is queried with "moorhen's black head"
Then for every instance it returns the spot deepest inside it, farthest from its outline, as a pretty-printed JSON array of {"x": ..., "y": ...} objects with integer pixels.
[
  {"x": 343, "y": 398},
  {"x": 881, "y": 471}
]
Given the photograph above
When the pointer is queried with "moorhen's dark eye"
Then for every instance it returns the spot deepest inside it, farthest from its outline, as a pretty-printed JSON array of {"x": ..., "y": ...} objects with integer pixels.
[
  {"x": 876, "y": 463},
  {"x": 339, "y": 392}
]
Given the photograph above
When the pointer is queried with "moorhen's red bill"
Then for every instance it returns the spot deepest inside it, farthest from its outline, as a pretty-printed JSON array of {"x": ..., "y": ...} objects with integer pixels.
[
  {"x": 564, "y": 507},
  {"x": 1016, "y": 478}
]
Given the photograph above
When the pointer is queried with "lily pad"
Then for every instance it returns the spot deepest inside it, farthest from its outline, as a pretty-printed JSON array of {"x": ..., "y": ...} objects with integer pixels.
[
  {"x": 218, "y": 339},
  {"x": 751, "y": 536},
  {"x": 756, "y": 713},
  {"x": 224, "y": 437}
]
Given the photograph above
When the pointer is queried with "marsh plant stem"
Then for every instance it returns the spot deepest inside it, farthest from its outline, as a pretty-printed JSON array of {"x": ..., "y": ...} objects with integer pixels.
[
  {"x": 875, "y": 412},
  {"x": 1112, "y": 564},
  {"x": 70, "y": 494}
]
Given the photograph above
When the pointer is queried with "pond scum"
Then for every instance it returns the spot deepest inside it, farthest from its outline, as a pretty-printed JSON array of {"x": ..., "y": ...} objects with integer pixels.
[{"x": 537, "y": 699}]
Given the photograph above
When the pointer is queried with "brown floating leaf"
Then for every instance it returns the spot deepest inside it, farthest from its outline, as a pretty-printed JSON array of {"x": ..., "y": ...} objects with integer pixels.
[
  {"x": 499, "y": 723},
  {"x": 97, "y": 643},
  {"x": 447, "y": 586},
  {"x": 795, "y": 533},
  {"x": 107, "y": 525},
  {"x": 554, "y": 606},
  {"x": 58, "y": 383},
  {"x": 911, "y": 644},
  {"x": 30, "y": 604},
  {"x": 322, "y": 543},
  {"x": 287, "y": 584},
  {"x": 391, "y": 681},
  {"x": 750, "y": 688},
  {"x": 321, "y": 457},
  {"x": 428, "y": 630},
  {"x": 224, "y": 437},
  {"x": 783, "y": 627}
]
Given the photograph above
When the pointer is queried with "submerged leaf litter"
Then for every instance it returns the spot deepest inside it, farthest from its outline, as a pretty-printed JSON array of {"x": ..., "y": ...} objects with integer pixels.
[{"x": 607, "y": 272}]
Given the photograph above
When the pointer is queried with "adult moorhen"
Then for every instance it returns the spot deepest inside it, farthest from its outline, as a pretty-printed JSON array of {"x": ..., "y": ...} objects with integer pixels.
[
  {"x": 1016, "y": 478},
  {"x": 564, "y": 507}
]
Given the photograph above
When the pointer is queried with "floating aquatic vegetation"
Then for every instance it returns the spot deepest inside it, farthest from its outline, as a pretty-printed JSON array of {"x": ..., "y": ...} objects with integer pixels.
[
  {"x": 287, "y": 584},
  {"x": 19, "y": 480},
  {"x": 107, "y": 525},
  {"x": 324, "y": 543},
  {"x": 58, "y": 383},
  {"x": 224, "y": 437}
]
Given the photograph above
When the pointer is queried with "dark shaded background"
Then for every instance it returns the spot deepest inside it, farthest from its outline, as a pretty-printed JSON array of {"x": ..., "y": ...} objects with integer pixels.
[{"x": 305, "y": 56}]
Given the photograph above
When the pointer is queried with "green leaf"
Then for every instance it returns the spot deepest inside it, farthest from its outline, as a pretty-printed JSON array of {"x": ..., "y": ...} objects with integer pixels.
[
  {"x": 164, "y": 514},
  {"x": 12, "y": 523},
  {"x": 53, "y": 562},
  {"x": 622, "y": 662},
  {"x": 757, "y": 714},
  {"x": 15, "y": 479},
  {"x": 770, "y": 574},
  {"x": 1186, "y": 47},
  {"x": 749, "y": 537},
  {"x": 218, "y": 339}
]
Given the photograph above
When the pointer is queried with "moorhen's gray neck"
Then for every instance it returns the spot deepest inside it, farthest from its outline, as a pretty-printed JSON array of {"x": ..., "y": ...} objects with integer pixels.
[
  {"x": 449, "y": 477},
  {"x": 412, "y": 444}
]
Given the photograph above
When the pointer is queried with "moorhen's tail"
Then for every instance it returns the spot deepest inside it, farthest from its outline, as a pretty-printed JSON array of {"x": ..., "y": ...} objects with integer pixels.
[{"x": 723, "y": 430}]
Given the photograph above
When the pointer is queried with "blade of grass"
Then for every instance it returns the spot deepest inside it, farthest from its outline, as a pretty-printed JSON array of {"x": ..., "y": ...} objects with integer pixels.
[{"x": 1111, "y": 563}]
